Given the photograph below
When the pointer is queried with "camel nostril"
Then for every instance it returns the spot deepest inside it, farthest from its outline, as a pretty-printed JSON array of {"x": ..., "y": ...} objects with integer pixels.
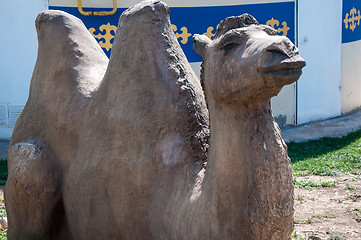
[{"x": 276, "y": 51}]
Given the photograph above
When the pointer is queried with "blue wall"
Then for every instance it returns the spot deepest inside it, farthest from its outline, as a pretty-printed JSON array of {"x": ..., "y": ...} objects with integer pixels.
[
  {"x": 192, "y": 20},
  {"x": 351, "y": 20}
]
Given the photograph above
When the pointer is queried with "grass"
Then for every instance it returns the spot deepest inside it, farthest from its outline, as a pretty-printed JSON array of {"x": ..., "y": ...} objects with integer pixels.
[
  {"x": 350, "y": 187},
  {"x": 300, "y": 198},
  {"x": 327, "y": 156},
  {"x": 303, "y": 221},
  {"x": 296, "y": 236},
  {"x": 311, "y": 184},
  {"x": 335, "y": 237},
  {"x": 3, "y": 235},
  {"x": 358, "y": 214},
  {"x": 353, "y": 197},
  {"x": 329, "y": 215},
  {"x": 2, "y": 215},
  {"x": 325, "y": 215}
]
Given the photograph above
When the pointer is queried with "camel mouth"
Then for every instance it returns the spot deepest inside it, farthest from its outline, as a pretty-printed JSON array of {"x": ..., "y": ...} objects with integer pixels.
[{"x": 290, "y": 68}]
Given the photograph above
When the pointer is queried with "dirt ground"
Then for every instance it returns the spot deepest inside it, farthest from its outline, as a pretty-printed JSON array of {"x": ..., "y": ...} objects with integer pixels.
[{"x": 327, "y": 212}]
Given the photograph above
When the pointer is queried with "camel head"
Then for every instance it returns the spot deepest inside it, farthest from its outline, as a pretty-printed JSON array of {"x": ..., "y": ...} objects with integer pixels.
[{"x": 246, "y": 62}]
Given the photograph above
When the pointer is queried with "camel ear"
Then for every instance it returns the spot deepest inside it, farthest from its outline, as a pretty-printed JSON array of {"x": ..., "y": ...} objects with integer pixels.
[{"x": 200, "y": 43}]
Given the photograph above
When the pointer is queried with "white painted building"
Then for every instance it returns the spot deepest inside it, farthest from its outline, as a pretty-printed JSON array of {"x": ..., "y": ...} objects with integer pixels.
[{"x": 327, "y": 32}]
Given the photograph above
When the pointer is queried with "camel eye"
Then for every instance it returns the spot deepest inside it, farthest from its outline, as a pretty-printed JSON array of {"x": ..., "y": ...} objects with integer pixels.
[
  {"x": 231, "y": 41},
  {"x": 229, "y": 46}
]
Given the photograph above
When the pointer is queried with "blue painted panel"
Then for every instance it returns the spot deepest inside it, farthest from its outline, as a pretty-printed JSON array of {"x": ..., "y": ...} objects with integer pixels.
[
  {"x": 351, "y": 16},
  {"x": 191, "y": 20}
]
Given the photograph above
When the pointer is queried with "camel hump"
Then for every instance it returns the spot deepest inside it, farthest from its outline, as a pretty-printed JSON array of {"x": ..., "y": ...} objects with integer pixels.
[
  {"x": 155, "y": 10},
  {"x": 70, "y": 62},
  {"x": 155, "y": 87},
  {"x": 33, "y": 191}
]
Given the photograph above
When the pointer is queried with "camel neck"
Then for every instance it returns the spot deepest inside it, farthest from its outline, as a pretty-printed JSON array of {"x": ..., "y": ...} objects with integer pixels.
[
  {"x": 247, "y": 157},
  {"x": 240, "y": 133},
  {"x": 240, "y": 139}
]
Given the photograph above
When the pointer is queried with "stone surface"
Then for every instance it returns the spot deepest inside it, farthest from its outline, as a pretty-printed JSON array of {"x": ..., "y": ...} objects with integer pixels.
[
  {"x": 248, "y": 170},
  {"x": 124, "y": 145}
]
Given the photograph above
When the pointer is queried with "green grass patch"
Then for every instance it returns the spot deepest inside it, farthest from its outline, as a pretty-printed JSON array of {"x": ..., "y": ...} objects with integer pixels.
[
  {"x": 353, "y": 196},
  {"x": 350, "y": 187},
  {"x": 329, "y": 215},
  {"x": 325, "y": 215},
  {"x": 327, "y": 156},
  {"x": 303, "y": 221},
  {"x": 3, "y": 214},
  {"x": 300, "y": 198},
  {"x": 296, "y": 236},
  {"x": 3, "y": 235},
  {"x": 335, "y": 237},
  {"x": 311, "y": 184}
]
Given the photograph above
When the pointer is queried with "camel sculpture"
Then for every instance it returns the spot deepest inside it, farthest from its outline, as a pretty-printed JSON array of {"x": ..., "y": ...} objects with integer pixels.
[{"x": 118, "y": 149}]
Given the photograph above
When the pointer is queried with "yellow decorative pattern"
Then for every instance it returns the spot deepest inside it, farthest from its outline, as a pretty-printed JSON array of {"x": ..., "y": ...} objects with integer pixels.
[
  {"x": 184, "y": 35},
  {"x": 352, "y": 19},
  {"x": 109, "y": 30},
  {"x": 105, "y": 39},
  {"x": 274, "y": 23},
  {"x": 209, "y": 33},
  {"x": 102, "y": 13}
]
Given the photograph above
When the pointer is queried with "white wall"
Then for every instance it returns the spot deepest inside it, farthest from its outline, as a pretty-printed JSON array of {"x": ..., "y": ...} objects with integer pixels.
[
  {"x": 351, "y": 76},
  {"x": 283, "y": 106},
  {"x": 18, "y": 51},
  {"x": 319, "y": 42}
]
